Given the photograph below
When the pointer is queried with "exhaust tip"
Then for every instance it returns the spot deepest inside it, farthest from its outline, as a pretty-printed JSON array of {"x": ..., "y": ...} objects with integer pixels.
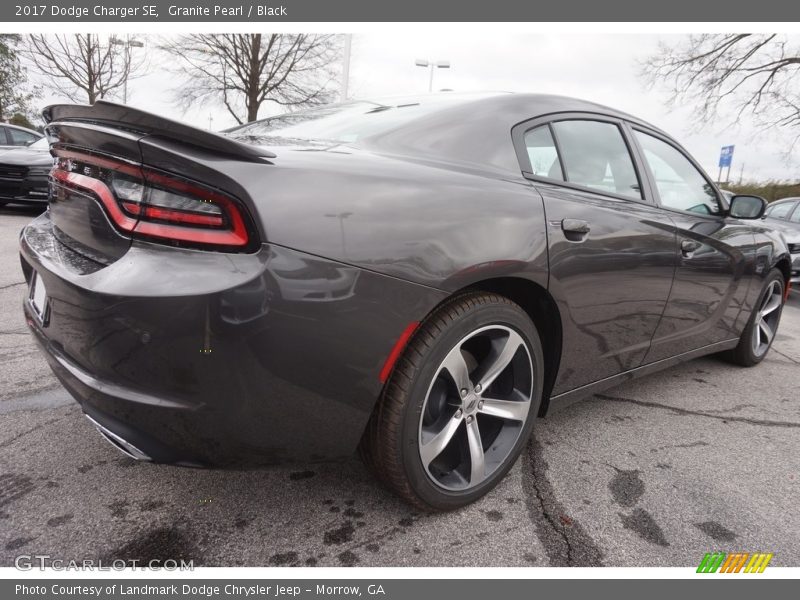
[{"x": 119, "y": 443}]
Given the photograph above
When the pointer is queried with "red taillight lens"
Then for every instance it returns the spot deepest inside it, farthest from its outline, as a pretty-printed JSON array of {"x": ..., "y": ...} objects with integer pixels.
[{"x": 149, "y": 203}]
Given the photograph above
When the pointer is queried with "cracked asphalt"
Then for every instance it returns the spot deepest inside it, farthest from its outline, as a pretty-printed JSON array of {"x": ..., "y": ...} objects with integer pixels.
[{"x": 656, "y": 472}]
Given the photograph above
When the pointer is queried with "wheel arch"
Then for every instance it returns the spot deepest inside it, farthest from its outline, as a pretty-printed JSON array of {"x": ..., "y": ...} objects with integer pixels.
[
  {"x": 785, "y": 267},
  {"x": 541, "y": 308}
]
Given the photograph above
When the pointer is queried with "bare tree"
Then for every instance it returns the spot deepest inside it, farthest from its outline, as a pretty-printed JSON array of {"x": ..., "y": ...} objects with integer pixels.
[
  {"x": 743, "y": 73},
  {"x": 85, "y": 67},
  {"x": 244, "y": 71},
  {"x": 16, "y": 95}
]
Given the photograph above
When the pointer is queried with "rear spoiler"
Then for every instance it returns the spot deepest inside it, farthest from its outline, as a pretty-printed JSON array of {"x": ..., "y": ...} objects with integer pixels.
[{"x": 132, "y": 119}]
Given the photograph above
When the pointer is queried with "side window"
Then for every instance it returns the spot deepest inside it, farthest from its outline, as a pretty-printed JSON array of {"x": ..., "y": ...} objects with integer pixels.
[
  {"x": 594, "y": 155},
  {"x": 779, "y": 211},
  {"x": 3, "y": 138},
  {"x": 542, "y": 153},
  {"x": 795, "y": 218},
  {"x": 680, "y": 185},
  {"x": 20, "y": 138}
]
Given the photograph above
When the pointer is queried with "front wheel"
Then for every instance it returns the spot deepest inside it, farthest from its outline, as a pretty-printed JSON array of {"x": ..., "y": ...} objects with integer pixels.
[
  {"x": 460, "y": 404},
  {"x": 762, "y": 327}
]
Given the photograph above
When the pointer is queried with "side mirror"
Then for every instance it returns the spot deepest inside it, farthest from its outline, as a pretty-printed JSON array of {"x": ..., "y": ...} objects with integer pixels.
[{"x": 747, "y": 207}]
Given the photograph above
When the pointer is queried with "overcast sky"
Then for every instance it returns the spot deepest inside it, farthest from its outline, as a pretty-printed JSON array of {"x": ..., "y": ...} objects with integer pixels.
[{"x": 602, "y": 68}]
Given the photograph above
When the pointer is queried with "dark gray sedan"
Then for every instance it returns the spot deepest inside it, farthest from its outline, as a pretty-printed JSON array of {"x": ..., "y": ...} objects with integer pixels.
[{"x": 418, "y": 278}]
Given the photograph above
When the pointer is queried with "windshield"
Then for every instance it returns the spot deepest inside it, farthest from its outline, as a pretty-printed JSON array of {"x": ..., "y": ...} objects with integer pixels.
[{"x": 346, "y": 122}]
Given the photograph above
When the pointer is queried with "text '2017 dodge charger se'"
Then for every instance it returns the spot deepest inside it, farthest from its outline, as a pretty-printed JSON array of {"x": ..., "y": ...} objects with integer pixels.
[{"x": 418, "y": 278}]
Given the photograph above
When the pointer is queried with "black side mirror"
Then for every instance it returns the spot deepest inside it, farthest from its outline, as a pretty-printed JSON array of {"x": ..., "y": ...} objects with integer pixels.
[{"x": 747, "y": 207}]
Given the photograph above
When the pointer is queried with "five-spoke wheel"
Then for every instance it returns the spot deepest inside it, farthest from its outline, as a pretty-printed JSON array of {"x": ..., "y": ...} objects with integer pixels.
[
  {"x": 767, "y": 317},
  {"x": 460, "y": 403},
  {"x": 475, "y": 407},
  {"x": 759, "y": 333}
]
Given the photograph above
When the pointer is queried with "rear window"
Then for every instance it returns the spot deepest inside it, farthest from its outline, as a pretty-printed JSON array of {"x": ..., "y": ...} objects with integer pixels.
[
  {"x": 594, "y": 155},
  {"x": 346, "y": 122}
]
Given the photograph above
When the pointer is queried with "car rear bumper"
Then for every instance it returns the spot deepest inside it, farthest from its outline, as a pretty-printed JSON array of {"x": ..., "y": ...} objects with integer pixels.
[{"x": 207, "y": 358}]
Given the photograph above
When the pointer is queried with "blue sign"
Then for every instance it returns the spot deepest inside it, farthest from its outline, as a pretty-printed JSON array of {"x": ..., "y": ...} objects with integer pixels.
[{"x": 726, "y": 156}]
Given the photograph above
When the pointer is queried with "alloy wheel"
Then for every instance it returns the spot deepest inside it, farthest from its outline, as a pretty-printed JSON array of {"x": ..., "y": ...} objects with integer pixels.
[
  {"x": 767, "y": 317},
  {"x": 476, "y": 407}
]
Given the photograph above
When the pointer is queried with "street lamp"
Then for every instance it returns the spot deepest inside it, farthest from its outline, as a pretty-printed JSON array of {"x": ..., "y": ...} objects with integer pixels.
[
  {"x": 348, "y": 41},
  {"x": 341, "y": 216},
  {"x": 129, "y": 43},
  {"x": 429, "y": 64}
]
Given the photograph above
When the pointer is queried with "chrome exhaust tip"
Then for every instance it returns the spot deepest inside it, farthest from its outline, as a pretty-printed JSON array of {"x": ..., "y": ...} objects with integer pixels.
[{"x": 119, "y": 443}]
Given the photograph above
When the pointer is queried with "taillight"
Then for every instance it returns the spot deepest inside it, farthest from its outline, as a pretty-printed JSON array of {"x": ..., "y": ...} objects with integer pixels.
[{"x": 152, "y": 204}]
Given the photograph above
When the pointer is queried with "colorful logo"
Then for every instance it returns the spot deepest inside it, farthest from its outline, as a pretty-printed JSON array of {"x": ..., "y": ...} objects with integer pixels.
[{"x": 734, "y": 562}]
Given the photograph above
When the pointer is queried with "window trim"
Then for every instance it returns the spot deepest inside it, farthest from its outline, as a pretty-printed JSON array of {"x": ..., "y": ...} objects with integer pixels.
[
  {"x": 519, "y": 131},
  {"x": 634, "y": 127}
]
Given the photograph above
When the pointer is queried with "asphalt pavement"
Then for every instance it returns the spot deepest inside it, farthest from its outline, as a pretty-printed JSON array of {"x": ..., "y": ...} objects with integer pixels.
[{"x": 704, "y": 456}]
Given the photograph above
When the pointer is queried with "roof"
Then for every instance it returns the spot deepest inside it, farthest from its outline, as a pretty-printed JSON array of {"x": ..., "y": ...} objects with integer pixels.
[{"x": 475, "y": 128}]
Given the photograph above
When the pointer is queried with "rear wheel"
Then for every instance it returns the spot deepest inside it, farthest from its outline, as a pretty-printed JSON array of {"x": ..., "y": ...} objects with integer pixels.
[
  {"x": 460, "y": 404},
  {"x": 762, "y": 327}
]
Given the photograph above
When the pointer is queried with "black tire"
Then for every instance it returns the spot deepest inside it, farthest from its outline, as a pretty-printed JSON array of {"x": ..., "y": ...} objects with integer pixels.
[
  {"x": 745, "y": 354},
  {"x": 390, "y": 446}
]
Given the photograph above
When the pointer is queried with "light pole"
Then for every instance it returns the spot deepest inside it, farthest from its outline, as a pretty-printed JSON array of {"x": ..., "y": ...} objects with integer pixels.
[
  {"x": 348, "y": 39},
  {"x": 129, "y": 43},
  {"x": 429, "y": 64},
  {"x": 341, "y": 216}
]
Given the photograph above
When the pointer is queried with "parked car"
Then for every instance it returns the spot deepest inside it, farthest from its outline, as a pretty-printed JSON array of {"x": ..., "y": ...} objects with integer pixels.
[
  {"x": 479, "y": 258},
  {"x": 24, "y": 173},
  {"x": 784, "y": 215},
  {"x": 14, "y": 135}
]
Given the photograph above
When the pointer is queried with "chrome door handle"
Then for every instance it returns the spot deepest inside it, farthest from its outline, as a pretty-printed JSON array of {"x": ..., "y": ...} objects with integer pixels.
[
  {"x": 575, "y": 226},
  {"x": 689, "y": 247},
  {"x": 575, "y": 230}
]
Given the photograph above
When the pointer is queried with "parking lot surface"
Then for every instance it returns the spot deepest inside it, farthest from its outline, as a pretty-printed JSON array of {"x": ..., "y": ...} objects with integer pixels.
[{"x": 656, "y": 472}]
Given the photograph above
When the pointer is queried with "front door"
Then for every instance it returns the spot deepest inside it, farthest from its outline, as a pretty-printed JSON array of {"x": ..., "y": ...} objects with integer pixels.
[{"x": 711, "y": 282}]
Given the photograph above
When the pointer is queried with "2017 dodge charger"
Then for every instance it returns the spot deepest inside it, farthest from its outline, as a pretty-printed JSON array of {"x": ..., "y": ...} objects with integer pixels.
[{"x": 417, "y": 278}]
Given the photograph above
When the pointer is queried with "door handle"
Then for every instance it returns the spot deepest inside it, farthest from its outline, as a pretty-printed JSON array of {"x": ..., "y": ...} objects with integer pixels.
[
  {"x": 689, "y": 247},
  {"x": 575, "y": 230}
]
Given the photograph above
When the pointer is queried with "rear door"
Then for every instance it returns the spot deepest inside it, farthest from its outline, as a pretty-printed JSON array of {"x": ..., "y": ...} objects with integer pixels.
[
  {"x": 612, "y": 253},
  {"x": 711, "y": 279}
]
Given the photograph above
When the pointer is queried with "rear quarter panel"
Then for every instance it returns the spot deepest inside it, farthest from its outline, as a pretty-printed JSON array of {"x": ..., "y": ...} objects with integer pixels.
[{"x": 439, "y": 225}]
